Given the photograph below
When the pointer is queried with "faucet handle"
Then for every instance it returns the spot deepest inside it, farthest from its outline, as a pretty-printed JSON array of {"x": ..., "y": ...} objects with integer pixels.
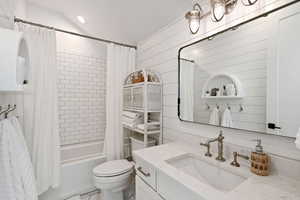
[
  {"x": 235, "y": 162},
  {"x": 207, "y": 145}
]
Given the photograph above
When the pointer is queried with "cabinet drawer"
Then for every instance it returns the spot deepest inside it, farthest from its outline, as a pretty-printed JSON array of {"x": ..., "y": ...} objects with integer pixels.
[
  {"x": 144, "y": 191},
  {"x": 146, "y": 172}
]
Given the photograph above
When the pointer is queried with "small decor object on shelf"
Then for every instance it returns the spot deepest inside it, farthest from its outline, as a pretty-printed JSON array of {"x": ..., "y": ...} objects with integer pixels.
[
  {"x": 222, "y": 86},
  {"x": 138, "y": 77},
  {"x": 230, "y": 89},
  {"x": 224, "y": 91},
  {"x": 214, "y": 92}
]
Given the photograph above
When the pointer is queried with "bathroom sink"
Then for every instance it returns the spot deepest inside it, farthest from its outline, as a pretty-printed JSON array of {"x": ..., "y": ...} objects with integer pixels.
[{"x": 207, "y": 173}]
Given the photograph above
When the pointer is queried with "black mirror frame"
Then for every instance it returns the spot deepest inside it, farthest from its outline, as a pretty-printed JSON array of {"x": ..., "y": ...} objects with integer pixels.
[{"x": 212, "y": 36}]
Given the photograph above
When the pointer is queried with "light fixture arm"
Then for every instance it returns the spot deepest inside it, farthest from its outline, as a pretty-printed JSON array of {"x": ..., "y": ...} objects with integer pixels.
[
  {"x": 197, "y": 7},
  {"x": 249, "y": 2}
]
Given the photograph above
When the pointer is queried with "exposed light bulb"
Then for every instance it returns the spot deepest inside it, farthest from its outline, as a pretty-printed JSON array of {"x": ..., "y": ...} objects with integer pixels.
[
  {"x": 218, "y": 10},
  {"x": 194, "y": 25},
  {"x": 81, "y": 19},
  {"x": 194, "y": 17}
]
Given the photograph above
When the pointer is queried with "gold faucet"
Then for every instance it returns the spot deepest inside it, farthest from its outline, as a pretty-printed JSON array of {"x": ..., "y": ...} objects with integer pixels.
[{"x": 219, "y": 139}]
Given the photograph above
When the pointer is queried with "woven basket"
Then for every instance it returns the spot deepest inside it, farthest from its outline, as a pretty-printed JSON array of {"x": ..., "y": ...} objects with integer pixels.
[
  {"x": 139, "y": 79},
  {"x": 260, "y": 164}
]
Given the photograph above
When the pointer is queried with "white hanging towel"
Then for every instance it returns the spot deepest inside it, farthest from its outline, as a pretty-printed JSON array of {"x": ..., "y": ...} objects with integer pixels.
[
  {"x": 227, "y": 119},
  {"x": 214, "y": 117},
  {"x": 297, "y": 142},
  {"x": 17, "y": 180},
  {"x": 7, "y": 190},
  {"x": 30, "y": 189}
]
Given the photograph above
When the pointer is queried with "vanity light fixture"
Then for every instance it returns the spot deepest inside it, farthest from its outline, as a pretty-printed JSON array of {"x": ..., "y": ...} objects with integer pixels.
[
  {"x": 194, "y": 17},
  {"x": 218, "y": 9},
  {"x": 221, "y": 7}
]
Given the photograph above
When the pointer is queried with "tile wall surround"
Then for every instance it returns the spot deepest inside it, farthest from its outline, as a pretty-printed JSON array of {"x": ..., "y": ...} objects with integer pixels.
[
  {"x": 159, "y": 52},
  {"x": 81, "y": 98}
]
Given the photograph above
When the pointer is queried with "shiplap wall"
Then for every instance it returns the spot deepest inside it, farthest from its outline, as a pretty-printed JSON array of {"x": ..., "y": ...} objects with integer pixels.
[
  {"x": 159, "y": 52},
  {"x": 243, "y": 54}
]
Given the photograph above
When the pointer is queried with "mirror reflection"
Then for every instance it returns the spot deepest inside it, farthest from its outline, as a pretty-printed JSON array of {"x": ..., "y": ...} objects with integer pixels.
[{"x": 246, "y": 78}]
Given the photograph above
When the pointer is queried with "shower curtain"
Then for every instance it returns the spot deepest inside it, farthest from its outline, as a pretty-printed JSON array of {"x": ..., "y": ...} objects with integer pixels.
[
  {"x": 120, "y": 62},
  {"x": 187, "y": 90},
  {"x": 40, "y": 107}
]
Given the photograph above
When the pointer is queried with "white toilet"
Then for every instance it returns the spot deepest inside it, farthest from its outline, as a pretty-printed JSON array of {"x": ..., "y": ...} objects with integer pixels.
[{"x": 112, "y": 178}]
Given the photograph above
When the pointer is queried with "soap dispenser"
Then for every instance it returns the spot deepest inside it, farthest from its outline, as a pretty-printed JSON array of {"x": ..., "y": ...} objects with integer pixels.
[{"x": 260, "y": 161}]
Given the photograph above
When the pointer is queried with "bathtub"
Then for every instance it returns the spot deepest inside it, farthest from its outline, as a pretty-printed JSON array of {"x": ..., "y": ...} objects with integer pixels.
[{"x": 76, "y": 174}]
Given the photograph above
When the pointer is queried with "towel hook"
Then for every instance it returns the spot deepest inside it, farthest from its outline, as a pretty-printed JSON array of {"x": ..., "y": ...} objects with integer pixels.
[
  {"x": 241, "y": 108},
  {"x": 218, "y": 107},
  {"x": 10, "y": 110},
  {"x": 207, "y": 106},
  {"x": 8, "y": 107},
  {"x": 228, "y": 106}
]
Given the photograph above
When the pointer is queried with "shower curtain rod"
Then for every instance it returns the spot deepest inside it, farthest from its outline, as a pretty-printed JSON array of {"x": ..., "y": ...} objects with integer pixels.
[{"x": 72, "y": 33}]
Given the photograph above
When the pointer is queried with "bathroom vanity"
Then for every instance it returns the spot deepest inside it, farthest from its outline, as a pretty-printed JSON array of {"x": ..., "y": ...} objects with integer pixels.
[
  {"x": 241, "y": 71},
  {"x": 178, "y": 171}
]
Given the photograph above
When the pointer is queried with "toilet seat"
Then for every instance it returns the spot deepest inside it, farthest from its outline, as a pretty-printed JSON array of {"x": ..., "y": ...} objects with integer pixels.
[{"x": 113, "y": 168}]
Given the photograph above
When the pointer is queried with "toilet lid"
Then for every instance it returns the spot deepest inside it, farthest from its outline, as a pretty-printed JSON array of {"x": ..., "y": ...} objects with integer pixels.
[{"x": 113, "y": 168}]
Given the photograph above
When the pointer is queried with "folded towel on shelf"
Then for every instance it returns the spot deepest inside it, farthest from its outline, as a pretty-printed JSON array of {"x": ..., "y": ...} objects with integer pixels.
[
  {"x": 129, "y": 125},
  {"x": 297, "y": 142},
  {"x": 227, "y": 119},
  {"x": 132, "y": 121},
  {"x": 150, "y": 127},
  {"x": 214, "y": 117},
  {"x": 128, "y": 120},
  {"x": 132, "y": 115}
]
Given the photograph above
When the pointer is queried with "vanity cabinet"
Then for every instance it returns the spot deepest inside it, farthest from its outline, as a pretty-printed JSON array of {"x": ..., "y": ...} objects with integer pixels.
[
  {"x": 147, "y": 173},
  {"x": 152, "y": 184},
  {"x": 144, "y": 191}
]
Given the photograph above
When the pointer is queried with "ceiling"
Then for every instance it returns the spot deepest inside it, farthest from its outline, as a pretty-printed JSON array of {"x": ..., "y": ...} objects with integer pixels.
[{"x": 128, "y": 21}]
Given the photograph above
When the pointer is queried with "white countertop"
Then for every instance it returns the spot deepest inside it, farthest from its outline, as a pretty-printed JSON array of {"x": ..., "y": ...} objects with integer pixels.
[{"x": 272, "y": 187}]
